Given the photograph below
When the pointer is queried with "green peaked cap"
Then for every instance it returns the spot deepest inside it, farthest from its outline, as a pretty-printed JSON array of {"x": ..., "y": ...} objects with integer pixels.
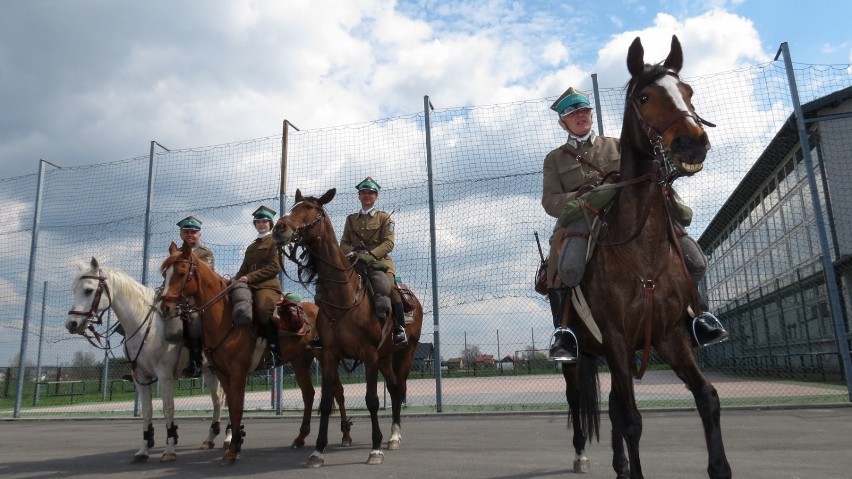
[
  {"x": 190, "y": 223},
  {"x": 571, "y": 101},
  {"x": 368, "y": 184},
  {"x": 264, "y": 213}
]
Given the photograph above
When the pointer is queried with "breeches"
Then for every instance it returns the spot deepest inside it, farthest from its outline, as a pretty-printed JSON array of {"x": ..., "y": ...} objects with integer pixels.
[{"x": 264, "y": 304}]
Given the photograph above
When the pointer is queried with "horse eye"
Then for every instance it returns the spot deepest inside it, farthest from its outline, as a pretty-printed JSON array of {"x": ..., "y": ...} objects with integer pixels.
[
  {"x": 643, "y": 98},
  {"x": 88, "y": 291}
]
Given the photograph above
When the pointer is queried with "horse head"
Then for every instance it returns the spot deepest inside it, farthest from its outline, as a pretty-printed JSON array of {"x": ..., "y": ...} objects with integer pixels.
[
  {"x": 303, "y": 220},
  {"x": 659, "y": 118},
  {"x": 180, "y": 278},
  {"x": 91, "y": 298}
]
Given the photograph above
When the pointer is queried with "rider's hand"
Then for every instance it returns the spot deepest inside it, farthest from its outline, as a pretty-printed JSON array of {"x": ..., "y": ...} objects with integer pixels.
[
  {"x": 366, "y": 258},
  {"x": 243, "y": 279},
  {"x": 583, "y": 189}
]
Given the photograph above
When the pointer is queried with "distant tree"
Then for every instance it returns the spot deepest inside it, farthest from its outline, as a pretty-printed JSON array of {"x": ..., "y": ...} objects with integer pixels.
[{"x": 469, "y": 355}]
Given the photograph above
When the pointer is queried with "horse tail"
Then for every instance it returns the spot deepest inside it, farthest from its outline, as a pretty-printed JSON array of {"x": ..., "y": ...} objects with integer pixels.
[{"x": 589, "y": 398}]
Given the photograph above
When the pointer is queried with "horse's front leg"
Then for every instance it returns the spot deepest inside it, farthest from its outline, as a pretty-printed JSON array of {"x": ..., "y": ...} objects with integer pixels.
[
  {"x": 144, "y": 392},
  {"x": 345, "y": 423},
  {"x": 625, "y": 417},
  {"x": 217, "y": 396},
  {"x": 678, "y": 354},
  {"x": 235, "y": 388},
  {"x": 167, "y": 390},
  {"x": 330, "y": 377},
  {"x": 372, "y": 399},
  {"x": 301, "y": 369},
  {"x": 396, "y": 387}
]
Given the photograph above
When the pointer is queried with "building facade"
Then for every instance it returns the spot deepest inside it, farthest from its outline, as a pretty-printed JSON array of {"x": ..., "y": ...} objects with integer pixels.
[{"x": 765, "y": 276}]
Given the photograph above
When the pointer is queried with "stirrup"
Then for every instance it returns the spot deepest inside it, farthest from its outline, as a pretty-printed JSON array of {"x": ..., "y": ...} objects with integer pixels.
[
  {"x": 713, "y": 323},
  {"x": 316, "y": 343},
  {"x": 192, "y": 371},
  {"x": 563, "y": 358}
]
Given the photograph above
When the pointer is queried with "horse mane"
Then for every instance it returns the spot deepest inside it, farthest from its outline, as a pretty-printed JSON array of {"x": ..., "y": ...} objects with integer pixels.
[
  {"x": 121, "y": 282},
  {"x": 631, "y": 132}
]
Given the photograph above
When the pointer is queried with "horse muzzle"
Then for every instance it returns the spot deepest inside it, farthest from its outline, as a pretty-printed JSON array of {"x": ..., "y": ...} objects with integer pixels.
[{"x": 688, "y": 153}]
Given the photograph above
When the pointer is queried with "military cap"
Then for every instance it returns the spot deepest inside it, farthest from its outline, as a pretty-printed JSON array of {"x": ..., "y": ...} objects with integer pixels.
[
  {"x": 368, "y": 184},
  {"x": 571, "y": 101},
  {"x": 263, "y": 213},
  {"x": 190, "y": 223}
]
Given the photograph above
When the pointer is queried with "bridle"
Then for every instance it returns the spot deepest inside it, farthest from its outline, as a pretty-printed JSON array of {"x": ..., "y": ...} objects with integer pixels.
[
  {"x": 182, "y": 299},
  {"x": 299, "y": 238},
  {"x": 93, "y": 315}
]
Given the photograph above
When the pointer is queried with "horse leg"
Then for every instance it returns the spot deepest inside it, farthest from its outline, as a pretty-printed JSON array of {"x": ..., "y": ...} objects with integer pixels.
[
  {"x": 330, "y": 377},
  {"x": 627, "y": 422},
  {"x": 619, "y": 458},
  {"x": 217, "y": 396},
  {"x": 167, "y": 391},
  {"x": 682, "y": 361},
  {"x": 372, "y": 399},
  {"x": 301, "y": 368},
  {"x": 147, "y": 407},
  {"x": 345, "y": 423},
  {"x": 235, "y": 387},
  {"x": 401, "y": 367},
  {"x": 570, "y": 372}
]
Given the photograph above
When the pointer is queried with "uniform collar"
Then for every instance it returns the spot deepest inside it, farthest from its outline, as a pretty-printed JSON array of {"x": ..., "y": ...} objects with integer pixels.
[
  {"x": 577, "y": 142},
  {"x": 260, "y": 236},
  {"x": 371, "y": 211}
]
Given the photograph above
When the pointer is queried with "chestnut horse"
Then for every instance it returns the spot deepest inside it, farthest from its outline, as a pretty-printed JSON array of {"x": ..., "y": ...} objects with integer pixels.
[
  {"x": 347, "y": 324},
  {"x": 235, "y": 350},
  {"x": 636, "y": 283}
]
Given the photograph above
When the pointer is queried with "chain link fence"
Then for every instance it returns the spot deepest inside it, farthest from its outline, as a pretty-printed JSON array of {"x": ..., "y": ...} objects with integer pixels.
[{"x": 486, "y": 182}]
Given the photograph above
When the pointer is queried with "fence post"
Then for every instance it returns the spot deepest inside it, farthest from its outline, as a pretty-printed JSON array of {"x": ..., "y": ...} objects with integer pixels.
[{"x": 427, "y": 107}]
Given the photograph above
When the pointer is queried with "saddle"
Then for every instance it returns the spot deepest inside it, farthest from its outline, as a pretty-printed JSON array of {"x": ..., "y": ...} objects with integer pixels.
[
  {"x": 408, "y": 298},
  {"x": 291, "y": 316}
]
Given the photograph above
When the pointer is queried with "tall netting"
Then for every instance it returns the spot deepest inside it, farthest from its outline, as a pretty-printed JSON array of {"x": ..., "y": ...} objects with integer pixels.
[{"x": 486, "y": 171}]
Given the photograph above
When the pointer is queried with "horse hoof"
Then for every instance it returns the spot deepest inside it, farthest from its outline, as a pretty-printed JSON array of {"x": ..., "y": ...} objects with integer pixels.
[
  {"x": 393, "y": 445},
  {"x": 297, "y": 444},
  {"x": 207, "y": 445},
  {"x": 227, "y": 461},
  {"x": 376, "y": 457},
  {"x": 346, "y": 442},
  {"x": 137, "y": 459},
  {"x": 169, "y": 457},
  {"x": 314, "y": 462},
  {"x": 582, "y": 466}
]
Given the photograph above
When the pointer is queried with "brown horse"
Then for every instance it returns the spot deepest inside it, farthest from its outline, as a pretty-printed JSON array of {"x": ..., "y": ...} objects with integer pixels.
[
  {"x": 347, "y": 324},
  {"x": 636, "y": 283},
  {"x": 235, "y": 350}
]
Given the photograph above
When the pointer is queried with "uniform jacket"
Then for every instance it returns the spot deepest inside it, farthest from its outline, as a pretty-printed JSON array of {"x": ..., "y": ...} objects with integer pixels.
[
  {"x": 563, "y": 174},
  {"x": 261, "y": 265},
  {"x": 204, "y": 254},
  {"x": 373, "y": 232}
]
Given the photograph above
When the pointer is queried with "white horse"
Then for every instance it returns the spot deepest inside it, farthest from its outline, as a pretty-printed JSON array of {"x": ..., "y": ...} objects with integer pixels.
[{"x": 152, "y": 357}]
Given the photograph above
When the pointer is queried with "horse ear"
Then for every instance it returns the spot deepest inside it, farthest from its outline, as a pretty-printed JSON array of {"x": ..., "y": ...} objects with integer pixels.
[
  {"x": 328, "y": 196},
  {"x": 299, "y": 196},
  {"x": 636, "y": 58},
  {"x": 173, "y": 248},
  {"x": 186, "y": 249},
  {"x": 675, "y": 59},
  {"x": 94, "y": 264}
]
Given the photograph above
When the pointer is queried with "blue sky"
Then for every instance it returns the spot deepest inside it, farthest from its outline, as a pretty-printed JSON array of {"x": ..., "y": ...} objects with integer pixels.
[{"x": 93, "y": 81}]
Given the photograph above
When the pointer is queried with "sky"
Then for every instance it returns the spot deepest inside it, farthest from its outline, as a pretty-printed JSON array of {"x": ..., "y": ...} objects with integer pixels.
[{"x": 94, "y": 81}]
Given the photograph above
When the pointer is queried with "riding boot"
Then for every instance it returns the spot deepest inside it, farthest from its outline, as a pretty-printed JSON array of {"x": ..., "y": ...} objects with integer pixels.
[
  {"x": 564, "y": 347},
  {"x": 193, "y": 369},
  {"x": 399, "y": 339},
  {"x": 274, "y": 358}
]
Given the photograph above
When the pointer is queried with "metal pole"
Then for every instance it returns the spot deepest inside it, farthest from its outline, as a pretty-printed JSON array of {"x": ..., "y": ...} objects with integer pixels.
[
  {"x": 835, "y": 309},
  {"x": 278, "y": 381},
  {"x": 105, "y": 375},
  {"x": 40, "y": 343},
  {"x": 427, "y": 107},
  {"x": 22, "y": 355},
  {"x": 598, "y": 111}
]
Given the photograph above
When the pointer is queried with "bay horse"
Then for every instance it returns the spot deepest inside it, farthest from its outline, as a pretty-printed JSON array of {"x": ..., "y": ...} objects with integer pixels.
[
  {"x": 636, "y": 283},
  {"x": 153, "y": 358},
  {"x": 347, "y": 324},
  {"x": 235, "y": 350}
]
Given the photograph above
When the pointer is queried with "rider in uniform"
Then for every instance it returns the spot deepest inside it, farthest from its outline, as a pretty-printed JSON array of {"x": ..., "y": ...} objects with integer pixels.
[
  {"x": 565, "y": 179},
  {"x": 190, "y": 233},
  {"x": 368, "y": 237},
  {"x": 259, "y": 270}
]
